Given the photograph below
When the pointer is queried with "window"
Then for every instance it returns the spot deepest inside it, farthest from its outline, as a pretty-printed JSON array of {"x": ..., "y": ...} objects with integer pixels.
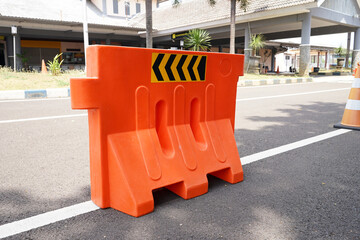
[
  {"x": 127, "y": 8},
  {"x": 138, "y": 8},
  {"x": 115, "y": 6}
]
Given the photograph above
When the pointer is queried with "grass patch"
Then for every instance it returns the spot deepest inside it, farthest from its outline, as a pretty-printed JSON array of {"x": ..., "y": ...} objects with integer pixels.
[{"x": 10, "y": 80}]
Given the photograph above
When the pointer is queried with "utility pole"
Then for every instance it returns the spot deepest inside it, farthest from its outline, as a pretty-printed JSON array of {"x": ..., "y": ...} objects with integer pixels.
[
  {"x": 86, "y": 31},
  {"x": 14, "y": 32}
]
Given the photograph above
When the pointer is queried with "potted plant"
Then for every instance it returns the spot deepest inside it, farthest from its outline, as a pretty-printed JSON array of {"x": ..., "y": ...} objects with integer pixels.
[
  {"x": 340, "y": 52},
  {"x": 257, "y": 42}
]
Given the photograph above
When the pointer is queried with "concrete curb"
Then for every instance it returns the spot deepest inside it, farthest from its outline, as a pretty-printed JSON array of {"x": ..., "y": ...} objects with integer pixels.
[
  {"x": 257, "y": 82},
  {"x": 30, "y": 94},
  {"x": 65, "y": 92},
  {"x": 331, "y": 74}
]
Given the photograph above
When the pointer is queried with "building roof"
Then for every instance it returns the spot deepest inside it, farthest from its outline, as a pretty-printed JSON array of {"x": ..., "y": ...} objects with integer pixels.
[
  {"x": 197, "y": 12},
  {"x": 61, "y": 12}
]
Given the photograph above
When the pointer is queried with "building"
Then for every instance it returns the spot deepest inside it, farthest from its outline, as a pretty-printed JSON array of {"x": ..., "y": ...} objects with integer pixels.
[{"x": 46, "y": 27}]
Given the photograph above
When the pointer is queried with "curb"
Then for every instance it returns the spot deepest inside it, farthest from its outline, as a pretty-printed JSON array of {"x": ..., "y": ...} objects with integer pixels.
[
  {"x": 245, "y": 83},
  {"x": 65, "y": 92},
  {"x": 31, "y": 94},
  {"x": 331, "y": 74}
]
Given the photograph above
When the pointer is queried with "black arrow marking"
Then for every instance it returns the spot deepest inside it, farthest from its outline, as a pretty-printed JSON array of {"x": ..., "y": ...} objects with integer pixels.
[
  {"x": 179, "y": 67},
  {"x": 156, "y": 67},
  {"x": 201, "y": 68},
  {"x": 168, "y": 67},
  {"x": 190, "y": 68}
]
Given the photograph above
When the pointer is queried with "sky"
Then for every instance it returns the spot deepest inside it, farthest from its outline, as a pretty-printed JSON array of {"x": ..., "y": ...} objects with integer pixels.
[{"x": 330, "y": 40}]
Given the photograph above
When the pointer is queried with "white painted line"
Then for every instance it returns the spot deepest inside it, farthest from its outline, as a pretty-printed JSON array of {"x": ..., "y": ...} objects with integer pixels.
[
  {"x": 40, "y": 220},
  {"x": 34, "y": 100},
  {"x": 42, "y": 118},
  {"x": 290, "y": 95},
  {"x": 44, "y": 219},
  {"x": 274, "y": 85},
  {"x": 353, "y": 104},
  {"x": 285, "y": 148}
]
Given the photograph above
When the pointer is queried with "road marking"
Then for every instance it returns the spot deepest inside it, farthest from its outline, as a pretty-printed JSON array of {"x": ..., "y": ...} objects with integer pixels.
[
  {"x": 34, "y": 100},
  {"x": 290, "y": 95},
  {"x": 40, "y": 220},
  {"x": 275, "y": 85},
  {"x": 43, "y": 118},
  {"x": 27, "y": 224},
  {"x": 285, "y": 148}
]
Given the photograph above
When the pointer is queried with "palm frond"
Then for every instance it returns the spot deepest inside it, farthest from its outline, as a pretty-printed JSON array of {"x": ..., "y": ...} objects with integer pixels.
[
  {"x": 197, "y": 39},
  {"x": 243, "y": 4}
]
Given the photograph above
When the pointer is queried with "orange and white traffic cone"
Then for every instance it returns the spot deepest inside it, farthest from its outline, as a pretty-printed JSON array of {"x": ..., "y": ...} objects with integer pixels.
[
  {"x": 43, "y": 67},
  {"x": 351, "y": 117}
]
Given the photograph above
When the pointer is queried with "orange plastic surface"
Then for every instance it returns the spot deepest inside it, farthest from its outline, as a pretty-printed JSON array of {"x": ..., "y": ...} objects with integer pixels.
[{"x": 146, "y": 135}]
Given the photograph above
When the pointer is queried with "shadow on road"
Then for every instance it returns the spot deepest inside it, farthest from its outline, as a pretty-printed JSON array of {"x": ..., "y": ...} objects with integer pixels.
[{"x": 302, "y": 194}]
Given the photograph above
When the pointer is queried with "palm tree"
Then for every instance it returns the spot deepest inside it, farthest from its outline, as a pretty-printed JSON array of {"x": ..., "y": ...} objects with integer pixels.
[
  {"x": 257, "y": 42},
  {"x": 243, "y": 5},
  {"x": 148, "y": 10},
  {"x": 197, "y": 40}
]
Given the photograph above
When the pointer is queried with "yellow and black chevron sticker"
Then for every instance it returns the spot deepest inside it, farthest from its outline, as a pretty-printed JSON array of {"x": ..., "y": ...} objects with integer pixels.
[{"x": 166, "y": 67}]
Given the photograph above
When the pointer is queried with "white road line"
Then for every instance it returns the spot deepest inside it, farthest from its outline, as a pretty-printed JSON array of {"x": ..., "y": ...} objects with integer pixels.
[
  {"x": 34, "y": 100},
  {"x": 290, "y": 95},
  {"x": 40, "y": 220},
  {"x": 27, "y": 224},
  {"x": 285, "y": 148},
  {"x": 42, "y": 118},
  {"x": 275, "y": 85}
]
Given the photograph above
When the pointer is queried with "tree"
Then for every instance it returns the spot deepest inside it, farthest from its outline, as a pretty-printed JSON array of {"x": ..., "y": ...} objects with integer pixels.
[
  {"x": 243, "y": 5},
  {"x": 257, "y": 42},
  {"x": 197, "y": 40},
  {"x": 149, "y": 29}
]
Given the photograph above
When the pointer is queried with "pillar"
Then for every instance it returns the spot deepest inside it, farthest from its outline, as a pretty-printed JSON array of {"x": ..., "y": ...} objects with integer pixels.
[
  {"x": 18, "y": 51},
  {"x": 347, "y": 50},
  {"x": 305, "y": 45},
  {"x": 356, "y": 51},
  {"x": 247, "y": 48},
  {"x": 10, "y": 50}
]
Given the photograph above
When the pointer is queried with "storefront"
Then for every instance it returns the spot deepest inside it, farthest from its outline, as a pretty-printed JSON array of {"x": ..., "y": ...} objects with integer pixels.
[{"x": 34, "y": 51}]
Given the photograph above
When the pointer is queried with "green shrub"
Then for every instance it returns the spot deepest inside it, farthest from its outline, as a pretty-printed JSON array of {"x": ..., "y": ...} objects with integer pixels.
[
  {"x": 197, "y": 39},
  {"x": 54, "y": 66}
]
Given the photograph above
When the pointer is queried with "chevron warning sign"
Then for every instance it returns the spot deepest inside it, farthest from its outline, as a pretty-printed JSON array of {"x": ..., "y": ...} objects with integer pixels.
[{"x": 166, "y": 67}]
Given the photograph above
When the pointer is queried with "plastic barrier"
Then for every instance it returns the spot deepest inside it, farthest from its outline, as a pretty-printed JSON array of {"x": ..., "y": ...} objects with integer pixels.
[
  {"x": 351, "y": 117},
  {"x": 158, "y": 118}
]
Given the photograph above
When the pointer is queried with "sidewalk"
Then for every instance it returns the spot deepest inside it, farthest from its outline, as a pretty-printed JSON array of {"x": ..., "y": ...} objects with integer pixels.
[{"x": 65, "y": 92}]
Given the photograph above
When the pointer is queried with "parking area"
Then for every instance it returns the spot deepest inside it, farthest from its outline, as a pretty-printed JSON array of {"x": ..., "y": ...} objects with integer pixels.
[{"x": 308, "y": 190}]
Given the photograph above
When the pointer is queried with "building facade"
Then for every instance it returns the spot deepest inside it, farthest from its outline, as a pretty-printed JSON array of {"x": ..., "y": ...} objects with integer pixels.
[{"x": 48, "y": 27}]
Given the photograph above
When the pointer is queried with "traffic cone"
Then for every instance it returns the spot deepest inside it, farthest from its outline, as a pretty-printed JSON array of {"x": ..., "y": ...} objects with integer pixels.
[
  {"x": 351, "y": 117},
  {"x": 43, "y": 67},
  {"x": 277, "y": 70}
]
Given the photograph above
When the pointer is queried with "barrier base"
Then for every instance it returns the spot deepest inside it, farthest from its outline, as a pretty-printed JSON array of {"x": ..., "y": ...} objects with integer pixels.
[{"x": 339, "y": 125}]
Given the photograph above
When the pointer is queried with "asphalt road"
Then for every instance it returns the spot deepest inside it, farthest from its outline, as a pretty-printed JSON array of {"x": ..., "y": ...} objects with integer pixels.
[{"x": 311, "y": 192}]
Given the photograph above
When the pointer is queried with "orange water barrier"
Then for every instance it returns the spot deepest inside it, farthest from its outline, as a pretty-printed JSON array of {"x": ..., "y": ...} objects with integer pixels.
[{"x": 158, "y": 118}]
